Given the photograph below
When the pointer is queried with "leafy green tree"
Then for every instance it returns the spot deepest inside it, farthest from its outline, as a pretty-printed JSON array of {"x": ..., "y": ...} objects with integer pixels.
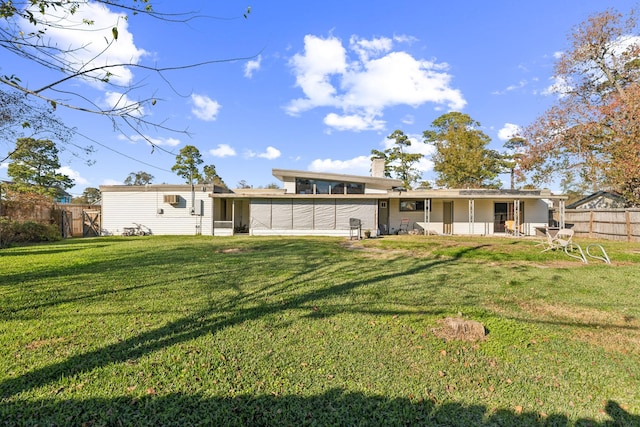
[
  {"x": 34, "y": 165},
  {"x": 398, "y": 162},
  {"x": 187, "y": 164},
  {"x": 138, "y": 178},
  {"x": 461, "y": 159},
  {"x": 243, "y": 184},
  {"x": 90, "y": 195},
  {"x": 210, "y": 176}
]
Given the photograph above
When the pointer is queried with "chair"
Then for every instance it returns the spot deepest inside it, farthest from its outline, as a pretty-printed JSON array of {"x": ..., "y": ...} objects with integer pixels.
[
  {"x": 404, "y": 225},
  {"x": 510, "y": 227},
  {"x": 564, "y": 240}
]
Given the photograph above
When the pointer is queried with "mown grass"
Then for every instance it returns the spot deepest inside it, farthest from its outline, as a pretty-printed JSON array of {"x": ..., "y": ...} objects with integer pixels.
[{"x": 316, "y": 331}]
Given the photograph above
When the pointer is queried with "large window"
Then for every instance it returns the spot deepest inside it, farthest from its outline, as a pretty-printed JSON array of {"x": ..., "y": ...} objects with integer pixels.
[
  {"x": 412, "y": 205},
  {"x": 304, "y": 186},
  {"x": 317, "y": 186}
]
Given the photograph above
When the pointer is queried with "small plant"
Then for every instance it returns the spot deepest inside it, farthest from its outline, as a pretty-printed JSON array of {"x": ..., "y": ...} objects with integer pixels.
[{"x": 367, "y": 233}]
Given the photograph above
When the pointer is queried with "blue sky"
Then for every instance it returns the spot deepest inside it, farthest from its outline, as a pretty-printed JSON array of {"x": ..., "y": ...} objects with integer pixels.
[{"x": 323, "y": 84}]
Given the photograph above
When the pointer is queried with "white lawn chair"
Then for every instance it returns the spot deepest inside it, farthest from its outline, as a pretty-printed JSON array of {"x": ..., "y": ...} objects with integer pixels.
[{"x": 564, "y": 240}]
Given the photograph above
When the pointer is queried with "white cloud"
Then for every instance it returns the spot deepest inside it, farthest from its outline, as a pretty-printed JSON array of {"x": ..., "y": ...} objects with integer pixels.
[
  {"x": 88, "y": 45},
  {"x": 205, "y": 108},
  {"x": 363, "y": 86},
  {"x": 508, "y": 131},
  {"x": 223, "y": 150},
  {"x": 120, "y": 101},
  {"x": 168, "y": 142},
  {"x": 357, "y": 166},
  {"x": 353, "y": 122},
  {"x": 361, "y": 165},
  {"x": 73, "y": 174},
  {"x": 409, "y": 119},
  {"x": 367, "y": 48},
  {"x": 521, "y": 84},
  {"x": 560, "y": 87},
  {"x": 4, "y": 165},
  {"x": 270, "y": 153},
  {"x": 251, "y": 66}
]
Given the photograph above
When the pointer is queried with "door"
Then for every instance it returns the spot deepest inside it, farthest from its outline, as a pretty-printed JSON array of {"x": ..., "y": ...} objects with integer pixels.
[
  {"x": 447, "y": 217},
  {"x": 500, "y": 214},
  {"x": 383, "y": 216}
]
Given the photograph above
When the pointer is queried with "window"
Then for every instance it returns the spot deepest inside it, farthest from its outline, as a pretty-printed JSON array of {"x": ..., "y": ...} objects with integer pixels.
[
  {"x": 412, "y": 205},
  {"x": 313, "y": 186},
  {"x": 304, "y": 186},
  {"x": 354, "y": 188}
]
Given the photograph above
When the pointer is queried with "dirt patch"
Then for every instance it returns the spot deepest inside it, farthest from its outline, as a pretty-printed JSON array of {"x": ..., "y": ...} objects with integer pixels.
[
  {"x": 455, "y": 328},
  {"x": 611, "y": 331},
  {"x": 34, "y": 345},
  {"x": 230, "y": 251}
]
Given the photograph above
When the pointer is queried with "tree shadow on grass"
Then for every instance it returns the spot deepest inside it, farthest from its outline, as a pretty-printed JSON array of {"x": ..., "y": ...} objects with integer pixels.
[
  {"x": 336, "y": 407},
  {"x": 218, "y": 316}
]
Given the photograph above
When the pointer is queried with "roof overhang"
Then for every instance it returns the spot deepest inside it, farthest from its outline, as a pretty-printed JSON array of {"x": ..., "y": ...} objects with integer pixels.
[
  {"x": 283, "y": 174},
  {"x": 506, "y": 195}
]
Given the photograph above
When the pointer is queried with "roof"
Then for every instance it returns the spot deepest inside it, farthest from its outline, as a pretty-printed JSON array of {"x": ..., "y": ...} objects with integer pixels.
[
  {"x": 612, "y": 195},
  {"x": 389, "y": 183},
  {"x": 446, "y": 194},
  {"x": 162, "y": 187}
]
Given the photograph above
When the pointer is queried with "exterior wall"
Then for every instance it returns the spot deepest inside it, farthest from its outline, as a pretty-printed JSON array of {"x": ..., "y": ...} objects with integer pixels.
[
  {"x": 122, "y": 209},
  {"x": 535, "y": 215},
  {"x": 320, "y": 217}
]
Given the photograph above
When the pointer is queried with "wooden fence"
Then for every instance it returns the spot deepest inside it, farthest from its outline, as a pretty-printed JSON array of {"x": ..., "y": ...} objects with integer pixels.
[
  {"x": 610, "y": 224},
  {"x": 72, "y": 220}
]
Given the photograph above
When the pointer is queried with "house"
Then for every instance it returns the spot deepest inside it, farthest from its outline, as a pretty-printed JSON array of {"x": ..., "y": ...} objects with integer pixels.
[
  {"x": 599, "y": 200},
  {"x": 62, "y": 197},
  {"x": 315, "y": 203}
]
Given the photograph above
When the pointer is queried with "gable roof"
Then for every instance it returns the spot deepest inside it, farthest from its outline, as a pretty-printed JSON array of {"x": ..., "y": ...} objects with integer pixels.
[{"x": 615, "y": 200}]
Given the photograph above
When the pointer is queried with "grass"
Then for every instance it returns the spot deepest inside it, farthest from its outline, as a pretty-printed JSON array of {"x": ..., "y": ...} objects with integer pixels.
[{"x": 316, "y": 331}]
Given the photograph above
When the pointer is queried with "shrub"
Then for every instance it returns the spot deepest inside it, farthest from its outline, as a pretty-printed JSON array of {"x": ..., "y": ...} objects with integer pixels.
[{"x": 26, "y": 232}]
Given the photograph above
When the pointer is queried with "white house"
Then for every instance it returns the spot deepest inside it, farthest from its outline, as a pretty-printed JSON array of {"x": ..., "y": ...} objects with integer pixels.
[{"x": 314, "y": 203}]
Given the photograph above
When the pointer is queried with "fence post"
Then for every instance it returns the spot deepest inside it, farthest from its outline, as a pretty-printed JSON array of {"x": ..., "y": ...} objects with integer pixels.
[
  {"x": 591, "y": 219},
  {"x": 628, "y": 227}
]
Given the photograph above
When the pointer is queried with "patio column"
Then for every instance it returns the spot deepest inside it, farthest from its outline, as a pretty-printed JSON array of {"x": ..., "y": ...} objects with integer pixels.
[
  {"x": 472, "y": 209},
  {"x": 213, "y": 216},
  {"x": 233, "y": 217},
  {"x": 427, "y": 215},
  {"x": 561, "y": 213},
  {"x": 516, "y": 216}
]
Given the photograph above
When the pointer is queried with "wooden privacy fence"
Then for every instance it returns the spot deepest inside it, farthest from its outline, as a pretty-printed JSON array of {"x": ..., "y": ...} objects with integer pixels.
[
  {"x": 72, "y": 220},
  {"x": 610, "y": 224}
]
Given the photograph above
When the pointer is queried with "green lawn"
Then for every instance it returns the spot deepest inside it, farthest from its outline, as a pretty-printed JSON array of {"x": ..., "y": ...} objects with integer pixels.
[{"x": 316, "y": 331}]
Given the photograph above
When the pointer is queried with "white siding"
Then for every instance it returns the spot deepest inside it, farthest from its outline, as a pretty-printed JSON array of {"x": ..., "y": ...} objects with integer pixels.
[{"x": 122, "y": 209}]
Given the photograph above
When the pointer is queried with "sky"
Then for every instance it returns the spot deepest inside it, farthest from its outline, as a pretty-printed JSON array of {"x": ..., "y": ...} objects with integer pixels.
[{"x": 306, "y": 85}]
